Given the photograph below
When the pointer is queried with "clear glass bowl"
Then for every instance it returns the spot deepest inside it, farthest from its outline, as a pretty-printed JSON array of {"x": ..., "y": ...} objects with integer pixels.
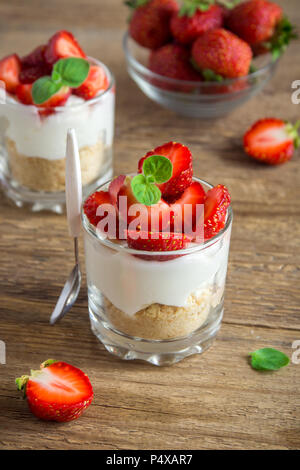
[
  {"x": 195, "y": 99},
  {"x": 157, "y": 311},
  {"x": 33, "y": 145}
]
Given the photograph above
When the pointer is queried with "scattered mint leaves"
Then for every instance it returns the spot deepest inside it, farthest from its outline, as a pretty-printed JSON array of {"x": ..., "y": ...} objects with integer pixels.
[
  {"x": 156, "y": 170},
  {"x": 268, "y": 359},
  {"x": 71, "y": 72}
]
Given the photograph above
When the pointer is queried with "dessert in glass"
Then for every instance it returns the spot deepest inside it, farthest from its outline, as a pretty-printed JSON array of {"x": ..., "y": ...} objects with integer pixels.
[
  {"x": 52, "y": 89},
  {"x": 156, "y": 248}
]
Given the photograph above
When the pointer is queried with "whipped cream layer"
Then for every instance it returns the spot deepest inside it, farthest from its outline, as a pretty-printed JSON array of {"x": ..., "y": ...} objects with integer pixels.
[
  {"x": 131, "y": 283},
  {"x": 45, "y": 136}
]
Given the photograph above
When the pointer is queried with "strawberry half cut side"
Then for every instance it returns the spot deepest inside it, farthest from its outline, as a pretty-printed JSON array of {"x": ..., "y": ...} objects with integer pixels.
[
  {"x": 57, "y": 392},
  {"x": 62, "y": 45}
]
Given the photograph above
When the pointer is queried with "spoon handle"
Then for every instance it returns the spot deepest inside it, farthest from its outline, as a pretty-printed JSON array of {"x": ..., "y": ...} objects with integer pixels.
[{"x": 73, "y": 184}]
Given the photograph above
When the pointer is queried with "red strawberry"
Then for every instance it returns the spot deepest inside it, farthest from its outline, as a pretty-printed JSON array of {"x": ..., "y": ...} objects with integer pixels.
[
  {"x": 57, "y": 392},
  {"x": 157, "y": 241},
  {"x": 254, "y": 21},
  {"x": 62, "y": 45},
  {"x": 272, "y": 141},
  {"x": 10, "y": 68},
  {"x": 194, "y": 195},
  {"x": 92, "y": 203},
  {"x": 96, "y": 81},
  {"x": 222, "y": 52},
  {"x": 33, "y": 73},
  {"x": 186, "y": 29},
  {"x": 150, "y": 22},
  {"x": 215, "y": 207},
  {"x": 173, "y": 61},
  {"x": 58, "y": 99},
  {"x": 114, "y": 188},
  {"x": 181, "y": 159},
  {"x": 23, "y": 93},
  {"x": 36, "y": 57}
]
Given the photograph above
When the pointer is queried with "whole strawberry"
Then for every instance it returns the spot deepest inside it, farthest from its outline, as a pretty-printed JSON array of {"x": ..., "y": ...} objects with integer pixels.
[
  {"x": 191, "y": 21},
  {"x": 222, "y": 52},
  {"x": 56, "y": 392},
  {"x": 262, "y": 25},
  {"x": 272, "y": 141},
  {"x": 150, "y": 23},
  {"x": 173, "y": 61}
]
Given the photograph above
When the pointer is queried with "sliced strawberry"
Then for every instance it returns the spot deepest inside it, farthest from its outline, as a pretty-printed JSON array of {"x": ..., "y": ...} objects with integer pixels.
[
  {"x": 114, "y": 188},
  {"x": 272, "y": 141},
  {"x": 10, "y": 68},
  {"x": 61, "y": 45},
  {"x": 33, "y": 73},
  {"x": 194, "y": 195},
  {"x": 92, "y": 203},
  {"x": 57, "y": 392},
  {"x": 215, "y": 206},
  {"x": 95, "y": 82},
  {"x": 157, "y": 241},
  {"x": 23, "y": 93},
  {"x": 58, "y": 99},
  {"x": 36, "y": 57},
  {"x": 181, "y": 159}
]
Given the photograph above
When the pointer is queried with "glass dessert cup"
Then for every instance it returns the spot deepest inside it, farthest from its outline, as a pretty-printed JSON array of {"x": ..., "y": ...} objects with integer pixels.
[
  {"x": 33, "y": 145},
  {"x": 156, "y": 311},
  {"x": 192, "y": 98}
]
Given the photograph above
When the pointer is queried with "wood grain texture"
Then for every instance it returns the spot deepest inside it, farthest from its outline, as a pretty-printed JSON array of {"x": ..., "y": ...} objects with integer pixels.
[{"x": 205, "y": 402}]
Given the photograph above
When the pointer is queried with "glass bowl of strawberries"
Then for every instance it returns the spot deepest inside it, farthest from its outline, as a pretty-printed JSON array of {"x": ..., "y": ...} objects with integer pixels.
[
  {"x": 203, "y": 59},
  {"x": 54, "y": 88}
]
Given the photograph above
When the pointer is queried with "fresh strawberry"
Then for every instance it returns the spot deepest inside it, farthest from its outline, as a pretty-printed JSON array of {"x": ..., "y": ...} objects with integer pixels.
[
  {"x": 10, "y": 68},
  {"x": 62, "y": 45},
  {"x": 181, "y": 159},
  {"x": 215, "y": 208},
  {"x": 222, "y": 52},
  {"x": 36, "y": 57},
  {"x": 186, "y": 29},
  {"x": 272, "y": 141},
  {"x": 92, "y": 203},
  {"x": 58, "y": 99},
  {"x": 57, "y": 392},
  {"x": 95, "y": 82},
  {"x": 173, "y": 61},
  {"x": 23, "y": 93},
  {"x": 33, "y": 73},
  {"x": 194, "y": 195},
  {"x": 254, "y": 21},
  {"x": 150, "y": 22},
  {"x": 114, "y": 188},
  {"x": 157, "y": 241}
]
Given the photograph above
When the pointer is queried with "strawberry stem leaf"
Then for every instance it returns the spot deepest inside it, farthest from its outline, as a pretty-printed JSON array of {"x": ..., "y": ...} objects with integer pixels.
[
  {"x": 48, "y": 363},
  {"x": 211, "y": 76},
  {"x": 285, "y": 32},
  {"x": 21, "y": 383}
]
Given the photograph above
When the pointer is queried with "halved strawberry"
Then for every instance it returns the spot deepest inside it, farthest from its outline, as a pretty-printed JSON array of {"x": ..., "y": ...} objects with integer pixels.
[
  {"x": 272, "y": 141},
  {"x": 157, "y": 241},
  {"x": 36, "y": 57},
  {"x": 92, "y": 203},
  {"x": 23, "y": 93},
  {"x": 215, "y": 206},
  {"x": 10, "y": 68},
  {"x": 57, "y": 392},
  {"x": 61, "y": 45},
  {"x": 96, "y": 81},
  {"x": 114, "y": 188},
  {"x": 194, "y": 195},
  {"x": 33, "y": 73},
  {"x": 181, "y": 159},
  {"x": 58, "y": 99}
]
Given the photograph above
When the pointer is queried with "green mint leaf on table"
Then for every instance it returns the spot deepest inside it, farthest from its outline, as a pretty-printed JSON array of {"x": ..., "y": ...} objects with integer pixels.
[
  {"x": 43, "y": 89},
  {"x": 156, "y": 169},
  {"x": 72, "y": 71},
  {"x": 268, "y": 359}
]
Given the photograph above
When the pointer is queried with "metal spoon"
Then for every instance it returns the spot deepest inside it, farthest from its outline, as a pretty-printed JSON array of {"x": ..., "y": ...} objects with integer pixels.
[{"x": 71, "y": 288}]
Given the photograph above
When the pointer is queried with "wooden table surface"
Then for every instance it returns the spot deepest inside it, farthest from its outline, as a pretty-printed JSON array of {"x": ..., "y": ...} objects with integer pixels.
[{"x": 205, "y": 402}]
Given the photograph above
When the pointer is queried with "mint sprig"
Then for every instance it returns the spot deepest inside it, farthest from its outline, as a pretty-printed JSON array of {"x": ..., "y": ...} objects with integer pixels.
[
  {"x": 71, "y": 72},
  {"x": 268, "y": 359},
  {"x": 156, "y": 170}
]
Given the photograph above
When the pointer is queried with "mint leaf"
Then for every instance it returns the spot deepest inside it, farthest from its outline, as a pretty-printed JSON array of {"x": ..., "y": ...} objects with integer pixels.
[
  {"x": 73, "y": 71},
  {"x": 268, "y": 359},
  {"x": 158, "y": 168},
  {"x": 146, "y": 193},
  {"x": 43, "y": 89}
]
